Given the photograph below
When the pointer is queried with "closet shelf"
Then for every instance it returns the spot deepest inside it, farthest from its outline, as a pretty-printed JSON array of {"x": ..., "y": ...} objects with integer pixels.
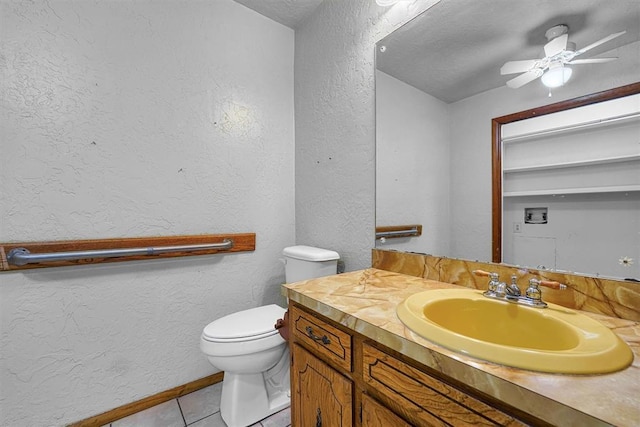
[
  {"x": 630, "y": 117},
  {"x": 584, "y": 190},
  {"x": 578, "y": 163}
]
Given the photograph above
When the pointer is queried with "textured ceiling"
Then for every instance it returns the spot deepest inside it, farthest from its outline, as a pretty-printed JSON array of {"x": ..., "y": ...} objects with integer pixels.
[
  {"x": 455, "y": 49},
  {"x": 287, "y": 12}
]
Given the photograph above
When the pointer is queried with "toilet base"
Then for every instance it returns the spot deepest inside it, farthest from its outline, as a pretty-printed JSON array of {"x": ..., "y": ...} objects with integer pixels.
[{"x": 247, "y": 400}]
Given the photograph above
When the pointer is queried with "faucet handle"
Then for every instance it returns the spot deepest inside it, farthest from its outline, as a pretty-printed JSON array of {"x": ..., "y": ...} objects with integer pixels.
[
  {"x": 494, "y": 283},
  {"x": 483, "y": 273},
  {"x": 552, "y": 284},
  {"x": 534, "y": 294}
]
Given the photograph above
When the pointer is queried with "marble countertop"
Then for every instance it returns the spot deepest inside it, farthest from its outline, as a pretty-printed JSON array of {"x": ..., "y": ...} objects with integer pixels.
[{"x": 366, "y": 300}]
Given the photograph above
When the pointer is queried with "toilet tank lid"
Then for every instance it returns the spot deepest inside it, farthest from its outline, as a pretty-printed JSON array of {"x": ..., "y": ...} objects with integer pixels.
[
  {"x": 246, "y": 323},
  {"x": 309, "y": 253}
]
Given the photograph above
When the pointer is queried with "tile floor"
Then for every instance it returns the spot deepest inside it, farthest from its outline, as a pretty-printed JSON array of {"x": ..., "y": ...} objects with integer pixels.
[{"x": 198, "y": 409}]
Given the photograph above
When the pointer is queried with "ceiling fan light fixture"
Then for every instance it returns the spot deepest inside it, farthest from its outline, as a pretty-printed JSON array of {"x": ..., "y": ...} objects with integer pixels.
[{"x": 556, "y": 76}]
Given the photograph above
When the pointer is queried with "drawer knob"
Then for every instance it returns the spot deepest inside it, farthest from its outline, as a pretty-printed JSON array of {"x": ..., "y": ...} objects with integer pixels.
[{"x": 324, "y": 339}]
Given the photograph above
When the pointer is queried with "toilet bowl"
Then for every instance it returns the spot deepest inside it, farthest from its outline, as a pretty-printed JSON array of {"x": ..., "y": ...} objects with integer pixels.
[
  {"x": 251, "y": 352},
  {"x": 255, "y": 360}
]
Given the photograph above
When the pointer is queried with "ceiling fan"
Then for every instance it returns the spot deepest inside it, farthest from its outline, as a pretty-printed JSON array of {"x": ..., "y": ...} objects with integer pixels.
[{"x": 559, "y": 52}]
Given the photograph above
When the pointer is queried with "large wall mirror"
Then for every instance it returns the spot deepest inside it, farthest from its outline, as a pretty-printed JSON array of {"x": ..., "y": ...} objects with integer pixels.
[{"x": 438, "y": 91}]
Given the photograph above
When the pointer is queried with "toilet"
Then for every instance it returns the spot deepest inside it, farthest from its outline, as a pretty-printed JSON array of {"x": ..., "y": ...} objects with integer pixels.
[{"x": 251, "y": 352}]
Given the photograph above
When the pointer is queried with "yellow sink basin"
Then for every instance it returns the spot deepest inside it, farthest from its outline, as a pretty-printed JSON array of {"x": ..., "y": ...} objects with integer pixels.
[{"x": 553, "y": 339}]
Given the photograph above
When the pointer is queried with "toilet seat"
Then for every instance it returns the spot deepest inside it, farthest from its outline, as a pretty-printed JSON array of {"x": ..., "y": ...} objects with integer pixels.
[
  {"x": 239, "y": 339},
  {"x": 247, "y": 325}
]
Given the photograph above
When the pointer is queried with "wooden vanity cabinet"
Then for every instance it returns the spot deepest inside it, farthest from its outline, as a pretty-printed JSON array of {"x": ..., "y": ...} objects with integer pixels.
[{"x": 340, "y": 378}]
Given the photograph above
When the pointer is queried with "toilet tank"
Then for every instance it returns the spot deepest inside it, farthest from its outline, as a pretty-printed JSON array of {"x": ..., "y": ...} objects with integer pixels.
[{"x": 306, "y": 262}]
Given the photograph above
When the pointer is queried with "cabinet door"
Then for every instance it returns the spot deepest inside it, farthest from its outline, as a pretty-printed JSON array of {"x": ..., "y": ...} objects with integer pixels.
[
  {"x": 321, "y": 396},
  {"x": 376, "y": 415}
]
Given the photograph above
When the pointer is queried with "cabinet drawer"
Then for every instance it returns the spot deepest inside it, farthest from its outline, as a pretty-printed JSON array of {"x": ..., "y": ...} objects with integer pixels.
[
  {"x": 376, "y": 415},
  {"x": 317, "y": 334},
  {"x": 424, "y": 399}
]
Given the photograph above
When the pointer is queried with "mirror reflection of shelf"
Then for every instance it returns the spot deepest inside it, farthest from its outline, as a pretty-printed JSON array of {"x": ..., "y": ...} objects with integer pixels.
[
  {"x": 616, "y": 159},
  {"x": 587, "y": 150},
  {"x": 599, "y": 123},
  {"x": 601, "y": 177},
  {"x": 585, "y": 190}
]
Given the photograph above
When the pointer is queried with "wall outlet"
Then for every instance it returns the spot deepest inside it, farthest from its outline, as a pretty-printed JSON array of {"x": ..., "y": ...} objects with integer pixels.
[{"x": 517, "y": 227}]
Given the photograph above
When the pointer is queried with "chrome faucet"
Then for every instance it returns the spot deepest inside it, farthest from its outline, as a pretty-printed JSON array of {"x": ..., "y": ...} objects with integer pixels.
[
  {"x": 513, "y": 290},
  {"x": 493, "y": 282},
  {"x": 532, "y": 296}
]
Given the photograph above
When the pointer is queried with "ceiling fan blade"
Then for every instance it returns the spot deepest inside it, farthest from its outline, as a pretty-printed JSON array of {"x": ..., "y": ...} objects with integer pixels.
[
  {"x": 591, "y": 61},
  {"x": 525, "y": 78},
  {"x": 556, "y": 45},
  {"x": 599, "y": 42},
  {"x": 513, "y": 67}
]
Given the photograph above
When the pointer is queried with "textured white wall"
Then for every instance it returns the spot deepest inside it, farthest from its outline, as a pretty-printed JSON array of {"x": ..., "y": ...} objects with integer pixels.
[
  {"x": 581, "y": 240},
  {"x": 123, "y": 119},
  {"x": 412, "y": 165},
  {"x": 335, "y": 123}
]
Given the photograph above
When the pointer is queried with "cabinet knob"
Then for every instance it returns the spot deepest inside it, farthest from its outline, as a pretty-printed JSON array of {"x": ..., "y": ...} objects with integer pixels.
[{"x": 319, "y": 418}]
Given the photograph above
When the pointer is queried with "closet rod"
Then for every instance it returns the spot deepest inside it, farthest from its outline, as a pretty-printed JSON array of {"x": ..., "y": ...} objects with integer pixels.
[{"x": 22, "y": 256}]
